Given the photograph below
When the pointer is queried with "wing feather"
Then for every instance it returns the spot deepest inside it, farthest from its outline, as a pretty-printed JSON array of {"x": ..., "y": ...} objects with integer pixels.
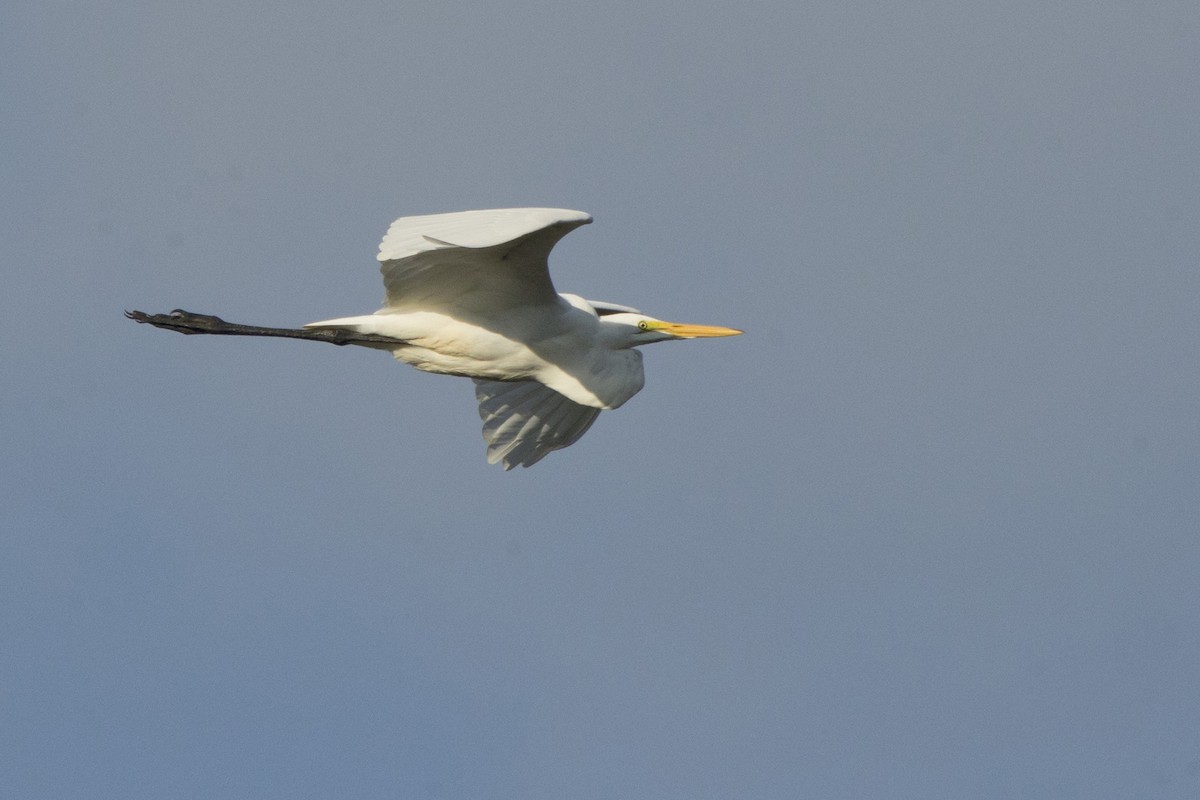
[
  {"x": 473, "y": 260},
  {"x": 523, "y": 421}
]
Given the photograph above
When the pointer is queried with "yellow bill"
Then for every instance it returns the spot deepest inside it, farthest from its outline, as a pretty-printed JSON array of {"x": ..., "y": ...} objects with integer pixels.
[{"x": 685, "y": 331}]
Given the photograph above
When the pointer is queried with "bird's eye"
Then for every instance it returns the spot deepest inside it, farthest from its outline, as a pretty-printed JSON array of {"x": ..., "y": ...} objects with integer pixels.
[{"x": 643, "y": 326}]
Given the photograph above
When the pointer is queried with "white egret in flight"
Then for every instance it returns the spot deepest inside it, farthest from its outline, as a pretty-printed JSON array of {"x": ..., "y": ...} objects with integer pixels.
[{"x": 469, "y": 294}]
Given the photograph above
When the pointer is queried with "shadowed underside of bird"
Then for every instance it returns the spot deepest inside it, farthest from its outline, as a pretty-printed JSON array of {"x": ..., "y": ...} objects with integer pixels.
[{"x": 469, "y": 294}]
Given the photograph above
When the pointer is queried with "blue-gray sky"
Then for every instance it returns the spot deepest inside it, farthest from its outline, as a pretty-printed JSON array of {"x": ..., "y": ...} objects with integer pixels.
[{"x": 931, "y": 529}]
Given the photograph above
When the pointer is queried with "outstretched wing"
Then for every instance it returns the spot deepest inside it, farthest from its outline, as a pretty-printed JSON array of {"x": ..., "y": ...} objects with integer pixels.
[
  {"x": 478, "y": 261},
  {"x": 523, "y": 421}
]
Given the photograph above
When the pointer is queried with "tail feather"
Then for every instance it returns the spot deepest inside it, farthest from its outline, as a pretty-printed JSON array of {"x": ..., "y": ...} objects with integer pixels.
[{"x": 365, "y": 324}]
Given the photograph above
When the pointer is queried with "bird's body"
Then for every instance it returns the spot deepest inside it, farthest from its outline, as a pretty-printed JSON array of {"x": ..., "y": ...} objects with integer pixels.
[
  {"x": 563, "y": 344},
  {"x": 469, "y": 294}
]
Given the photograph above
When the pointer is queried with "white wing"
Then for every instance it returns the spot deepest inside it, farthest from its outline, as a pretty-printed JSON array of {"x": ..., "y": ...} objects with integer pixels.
[
  {"x": 603, "y": 309},
  {"x": 473, "y": 260},
  {"x": 523, "y": 421}
]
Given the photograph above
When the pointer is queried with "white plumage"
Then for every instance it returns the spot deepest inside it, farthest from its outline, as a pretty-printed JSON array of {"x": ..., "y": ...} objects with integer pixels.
[{"x": 470, "y": 294}]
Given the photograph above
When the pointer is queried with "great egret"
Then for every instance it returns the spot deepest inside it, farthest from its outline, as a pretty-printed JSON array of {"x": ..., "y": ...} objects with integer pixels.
[{"x": 469, "y": 294}]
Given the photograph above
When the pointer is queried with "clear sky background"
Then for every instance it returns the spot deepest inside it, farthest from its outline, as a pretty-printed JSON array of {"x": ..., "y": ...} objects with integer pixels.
[{"x": 931, "y": 529}]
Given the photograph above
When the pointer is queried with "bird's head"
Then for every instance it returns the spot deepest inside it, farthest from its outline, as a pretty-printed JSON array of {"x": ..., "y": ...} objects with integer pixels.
[{"x": 632, "y": 330}]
